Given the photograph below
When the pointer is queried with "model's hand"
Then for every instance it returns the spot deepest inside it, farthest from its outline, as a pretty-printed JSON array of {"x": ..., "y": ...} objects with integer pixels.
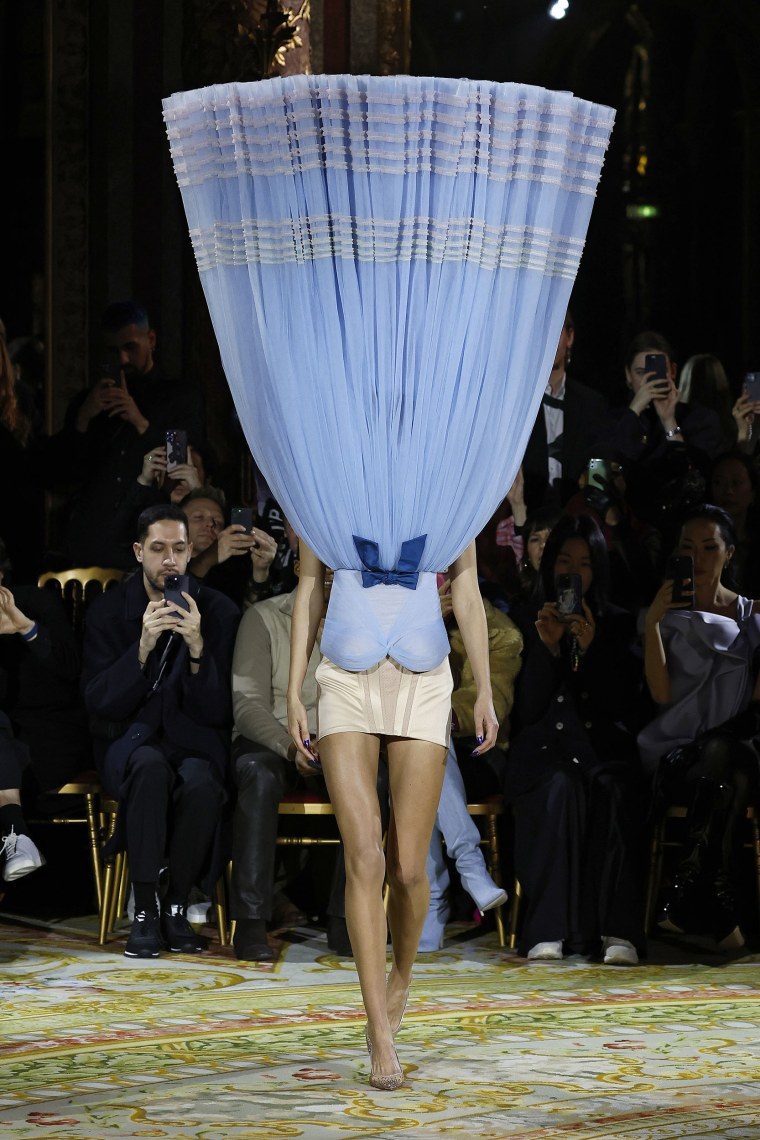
[
  {"x": 232, "y": 541},
  {"x": 157, "y": 619},
  {"x": 154, "y": 467},
  {"x": 305, "y": 768},
  {"x": 12, "y": 620},
  {"x": 583, "y": 628},
  {"x": 298, "y": 727},
  {"x": 662, "y": 602},
  {"x": 262, "y": 553},
  {"x": 550, "y": 627},
  {"x": 486, "y": 724}
]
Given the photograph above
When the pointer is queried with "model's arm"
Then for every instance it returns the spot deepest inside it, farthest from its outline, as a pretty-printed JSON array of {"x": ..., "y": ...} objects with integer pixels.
[
  {"x": 471, "y": 619},
  {"x": 307, "y": 614}
]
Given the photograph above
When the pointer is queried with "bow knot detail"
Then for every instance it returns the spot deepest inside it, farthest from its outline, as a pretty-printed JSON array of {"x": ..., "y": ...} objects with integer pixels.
[{"x": 406, "y": 573}]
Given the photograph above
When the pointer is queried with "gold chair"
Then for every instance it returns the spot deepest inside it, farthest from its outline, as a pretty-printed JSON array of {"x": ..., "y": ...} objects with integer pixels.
[
  {"x": 77, "y": 588},
  {"x": 657, "y": 852},
  {"x": 489, "y": 810}
]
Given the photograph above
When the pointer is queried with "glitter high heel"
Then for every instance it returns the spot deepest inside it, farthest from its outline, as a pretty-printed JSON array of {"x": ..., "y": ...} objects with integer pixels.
[{"x": 389, "y": 1082}]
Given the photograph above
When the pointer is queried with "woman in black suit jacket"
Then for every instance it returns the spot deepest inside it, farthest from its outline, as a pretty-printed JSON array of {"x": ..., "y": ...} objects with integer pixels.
[{"x": 573, "y": 772}]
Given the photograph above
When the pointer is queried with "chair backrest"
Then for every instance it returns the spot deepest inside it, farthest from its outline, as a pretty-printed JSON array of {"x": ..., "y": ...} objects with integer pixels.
[{"x": 77, "y": 588}]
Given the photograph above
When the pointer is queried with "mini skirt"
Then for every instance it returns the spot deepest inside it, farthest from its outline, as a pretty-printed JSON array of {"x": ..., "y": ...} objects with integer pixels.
[{"x": 386, "y": 700}]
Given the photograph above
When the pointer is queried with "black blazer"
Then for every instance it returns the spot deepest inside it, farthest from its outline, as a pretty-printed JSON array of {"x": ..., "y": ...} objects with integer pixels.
[
  {"x": 190, "y": 711},
  {"x": 583, "y": 411},
  {"x": 590, "y": 716}
]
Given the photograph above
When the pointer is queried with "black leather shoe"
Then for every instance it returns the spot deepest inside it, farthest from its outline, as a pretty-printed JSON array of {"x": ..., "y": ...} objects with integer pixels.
[
  {"x": 337, "y": 937},
  {"x": 725, "y": 921},
  {"x": 250, "y": 941},
  {"x": 145, "y": 939},
  {"x": 179, "y": 934}
]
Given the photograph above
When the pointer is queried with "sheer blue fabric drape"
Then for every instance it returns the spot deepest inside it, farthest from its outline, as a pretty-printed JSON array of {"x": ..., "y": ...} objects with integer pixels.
[{"x": 387, "y": 263}]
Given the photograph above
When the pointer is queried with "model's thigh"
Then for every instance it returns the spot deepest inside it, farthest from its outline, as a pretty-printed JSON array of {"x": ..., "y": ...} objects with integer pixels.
[
  {"x": 349, "y": 763},
  {"x": 416, "y": 769}
]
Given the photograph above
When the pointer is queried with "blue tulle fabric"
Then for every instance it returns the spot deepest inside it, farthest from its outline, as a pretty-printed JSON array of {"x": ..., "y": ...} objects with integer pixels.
[{"x": 387, "y": 262}]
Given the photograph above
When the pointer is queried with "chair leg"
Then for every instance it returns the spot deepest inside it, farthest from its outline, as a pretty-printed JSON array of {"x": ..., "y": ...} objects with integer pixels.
[
  {"x": 94, "y": 833},
  {"x": 655, "y": 874},
  {"x": 220, "y": 908},
  {"x": 109, "y": 885},
  {"x": 121, "y": 896},
  {"x": 493, "y": 862},
  {"x": 514, "y": 914}
]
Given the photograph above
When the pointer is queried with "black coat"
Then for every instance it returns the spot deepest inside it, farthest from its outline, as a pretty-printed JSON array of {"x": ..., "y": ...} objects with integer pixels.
[
  {"x": 591, "y": 715},
  {"x": 190, "y": 711},
  {"x": 583, "y": 411}
]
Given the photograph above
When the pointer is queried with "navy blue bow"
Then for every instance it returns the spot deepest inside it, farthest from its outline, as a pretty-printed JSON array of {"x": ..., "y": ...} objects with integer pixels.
[{"x": 406, "y": 573}]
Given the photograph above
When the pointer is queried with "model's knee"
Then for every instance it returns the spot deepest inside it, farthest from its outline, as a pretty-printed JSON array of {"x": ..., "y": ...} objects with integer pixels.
[
  {"x": 407, "y": 874},
  {"x": 365, "y": 864}
]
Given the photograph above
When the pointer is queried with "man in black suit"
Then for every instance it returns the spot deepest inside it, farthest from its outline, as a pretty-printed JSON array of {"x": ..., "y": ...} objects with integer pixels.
[
  {"x": 156, "y": 683},
  {"x": 560, "y": 443}
]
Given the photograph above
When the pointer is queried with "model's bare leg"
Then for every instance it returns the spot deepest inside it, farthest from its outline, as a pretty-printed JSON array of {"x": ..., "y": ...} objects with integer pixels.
[
  {"x": 349, "y": 761},
  {"x": 416, "y": 769}
]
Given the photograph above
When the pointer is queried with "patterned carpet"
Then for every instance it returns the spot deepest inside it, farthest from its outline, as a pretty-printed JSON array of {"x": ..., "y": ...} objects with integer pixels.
[{"x": 95, "y": 1045}]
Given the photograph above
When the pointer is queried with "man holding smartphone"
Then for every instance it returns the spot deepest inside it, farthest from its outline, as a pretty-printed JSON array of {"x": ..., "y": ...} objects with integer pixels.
[
  {"x": 109, "y": 427},
  {"x": 156, "y": 684}
]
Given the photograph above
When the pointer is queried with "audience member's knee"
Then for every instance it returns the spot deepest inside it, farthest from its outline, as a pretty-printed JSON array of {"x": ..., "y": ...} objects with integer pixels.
[
  {"x": 149, "y": 766},
  {"x": 199, "y": 782},
  {"x": 258, "y": 777}
]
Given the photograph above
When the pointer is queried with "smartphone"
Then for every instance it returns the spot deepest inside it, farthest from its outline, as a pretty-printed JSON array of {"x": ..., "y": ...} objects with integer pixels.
[
  {"x": 598, "y": 473},
  {"x": 242, "y": 516},
  {"x": 176, "y": 448},
  {"x": 657, "y": 363},
  {"x": 752, "y": 386},
  {"x": 681, "y": 569},
  {"x": 110, "y": 371},
  {"x": 569, "y": 595},
  {"x": 174, "y": 584}
]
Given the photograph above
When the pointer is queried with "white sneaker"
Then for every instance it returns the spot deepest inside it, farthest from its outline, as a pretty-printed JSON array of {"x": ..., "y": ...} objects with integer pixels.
[
  {"x": 545, "y": 952},
  {"x": 21, "y": 856},
  {"x": 198, "y": 908},
  {"x": 619, "y": 952}
]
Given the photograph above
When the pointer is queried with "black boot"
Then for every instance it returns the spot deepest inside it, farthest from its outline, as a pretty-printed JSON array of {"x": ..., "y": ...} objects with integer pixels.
[
  {"x": 725, "y": 921},
  {"x": 685, "y": 908}
]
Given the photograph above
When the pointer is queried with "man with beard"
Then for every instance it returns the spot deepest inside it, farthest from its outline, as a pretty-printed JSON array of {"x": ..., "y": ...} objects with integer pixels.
[{"x": 109, "y": 427}]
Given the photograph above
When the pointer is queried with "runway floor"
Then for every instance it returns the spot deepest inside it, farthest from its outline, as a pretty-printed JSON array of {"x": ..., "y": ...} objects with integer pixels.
[{"x": 94, "y": 1045}]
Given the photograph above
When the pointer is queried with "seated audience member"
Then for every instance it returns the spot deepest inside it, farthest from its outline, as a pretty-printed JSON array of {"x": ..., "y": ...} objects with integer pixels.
[
  {"x": 701, "y": 669},
  {"x": 666, "y": 446},
  {"x": 109, "y": 428},
  {"x": 266, "y": 766},
  {"x": 39, "y": 684},
  {"x": 572, "y": 771},
  {"x": 453, "y": 825},
  {"x": 535, "y": 534},
  {"x": 230, "y": 558},
  {"x": 22, "y": 506},
  {"x": 634, "y": 547},
  {"x": 156, "y": 685},
  {"x": 500, "y": 548},
  {"x": 563, "y": 431},
  {"x": 733, "y": 486},
  {"x": 703, "y": 381}
]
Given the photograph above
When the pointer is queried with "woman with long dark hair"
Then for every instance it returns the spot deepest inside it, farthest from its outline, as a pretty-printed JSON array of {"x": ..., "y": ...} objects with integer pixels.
[
  {"x": 573, "y": 774},
  {"x": 701, "y": 669}
]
